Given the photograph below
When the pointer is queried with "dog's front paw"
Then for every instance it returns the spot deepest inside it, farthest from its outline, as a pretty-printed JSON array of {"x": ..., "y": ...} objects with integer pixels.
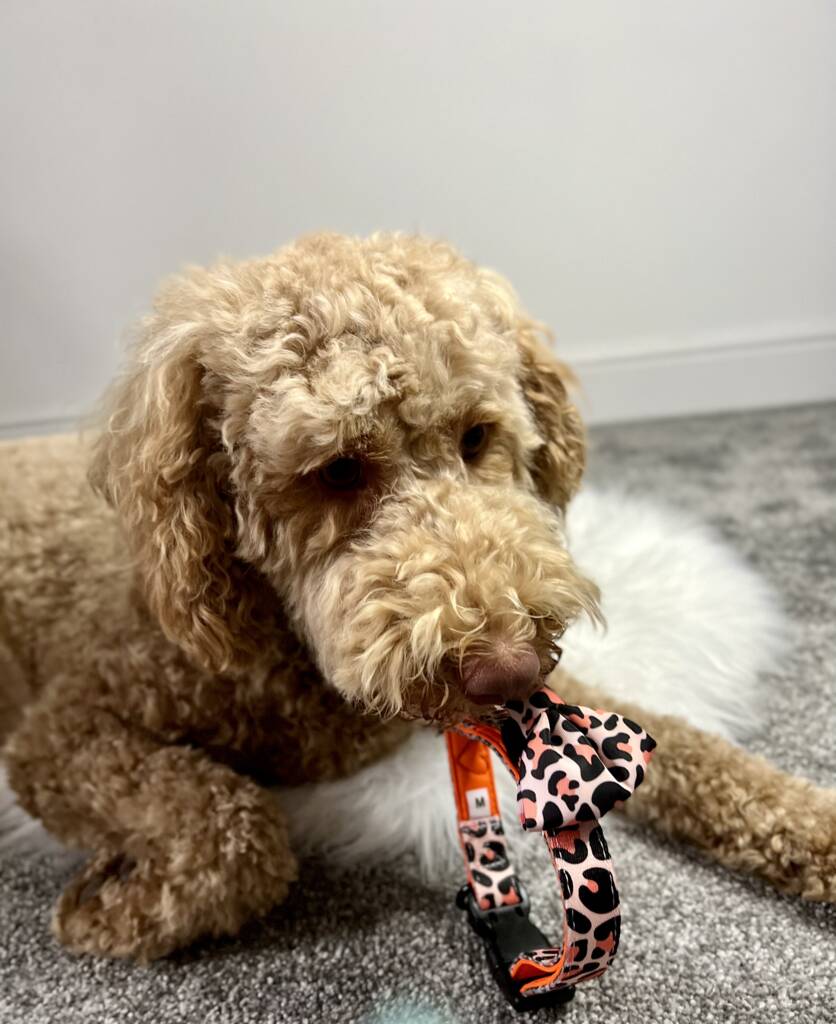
[{"x": 119, "y": 908}]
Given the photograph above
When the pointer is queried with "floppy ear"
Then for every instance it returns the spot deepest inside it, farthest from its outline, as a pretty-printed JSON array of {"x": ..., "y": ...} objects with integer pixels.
[
  {"x": 161, "y": 465},
  {"x": 559, "y": 464}
]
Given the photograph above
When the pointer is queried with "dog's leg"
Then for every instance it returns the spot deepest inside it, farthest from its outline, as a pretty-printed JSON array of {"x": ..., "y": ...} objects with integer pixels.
[
  {"x": 735, "y": 807},
  {"x": 182, "y": 847}
]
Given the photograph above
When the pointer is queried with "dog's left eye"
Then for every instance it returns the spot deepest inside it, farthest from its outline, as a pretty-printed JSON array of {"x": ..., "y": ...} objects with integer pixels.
[
  {"x": 344, "y": 474},
  {"x": 474, "y": 440}
]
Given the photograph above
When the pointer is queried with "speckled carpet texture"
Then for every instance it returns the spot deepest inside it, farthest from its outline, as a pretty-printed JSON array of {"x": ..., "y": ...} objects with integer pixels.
[{"x": 375, "y": 946}]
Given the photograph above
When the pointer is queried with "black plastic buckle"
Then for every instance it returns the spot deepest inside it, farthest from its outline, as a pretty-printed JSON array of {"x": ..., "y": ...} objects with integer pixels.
[{"x": 507, "y": 932}]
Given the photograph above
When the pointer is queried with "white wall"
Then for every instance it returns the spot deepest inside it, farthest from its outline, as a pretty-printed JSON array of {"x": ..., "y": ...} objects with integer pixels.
[{"x": 658, "y": 179}]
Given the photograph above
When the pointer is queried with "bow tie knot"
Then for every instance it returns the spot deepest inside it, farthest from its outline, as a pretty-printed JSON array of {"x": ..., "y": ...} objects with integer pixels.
[{"x": 575, "y": 763}]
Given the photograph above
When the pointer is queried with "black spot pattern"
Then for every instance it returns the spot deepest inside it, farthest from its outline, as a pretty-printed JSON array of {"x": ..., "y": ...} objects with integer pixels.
[
  {"x": 556, "y": 778},
  {"x": 546, "y": 760},
  {"x": 552, "y": 815},
  {"x": 500, "y": 859},
  {"x": 567, "y": 710},
  {"x": 612, "y": 926},
  {"x": 604, "y": 897},
  {"x": 570, "y": 799},
  {"x": 508, "y": 884},
  {"x": 541, "y": 699},
  {"x": 598, "y": 844},
  {"x": 585, "y": 813},
  {"x": 577, "y": 853},
  {"x": 611, "y": 750},
  {"x": 577, "y": 921},
  {"x": 606, "y": 796},
  {"x": 513, "y": 739},
  {"x": 590, "y": 768}
]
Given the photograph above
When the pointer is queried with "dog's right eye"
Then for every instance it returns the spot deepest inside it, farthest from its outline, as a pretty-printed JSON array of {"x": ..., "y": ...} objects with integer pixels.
[
  {"x": 474, "y": 440},
  {"x": 343, "y": 474}
]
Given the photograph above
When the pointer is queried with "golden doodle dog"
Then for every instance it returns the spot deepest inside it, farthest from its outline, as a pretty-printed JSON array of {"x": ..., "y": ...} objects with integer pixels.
[{"x": 327, "y": 502}]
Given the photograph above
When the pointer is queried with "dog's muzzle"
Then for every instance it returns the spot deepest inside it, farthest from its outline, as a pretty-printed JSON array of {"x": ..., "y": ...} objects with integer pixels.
[{"x": 453, "y": 597}]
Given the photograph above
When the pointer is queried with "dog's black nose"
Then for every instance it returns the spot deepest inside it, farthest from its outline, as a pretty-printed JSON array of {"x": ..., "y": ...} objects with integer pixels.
[{"x": 501, "y": 675}]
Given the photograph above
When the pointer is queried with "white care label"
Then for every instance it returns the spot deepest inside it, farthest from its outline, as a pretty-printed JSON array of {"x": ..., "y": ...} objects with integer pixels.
[{"x": 478, "y": 803}]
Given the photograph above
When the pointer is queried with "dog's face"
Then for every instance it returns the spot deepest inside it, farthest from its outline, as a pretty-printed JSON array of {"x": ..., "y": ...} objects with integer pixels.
[{"x": 368, "y": 434}]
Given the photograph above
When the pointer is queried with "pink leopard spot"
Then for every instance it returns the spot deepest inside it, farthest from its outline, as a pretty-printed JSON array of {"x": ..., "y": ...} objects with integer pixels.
[
  {"x": 586, "y": 751},
  {"x": 564, "y": 787}
]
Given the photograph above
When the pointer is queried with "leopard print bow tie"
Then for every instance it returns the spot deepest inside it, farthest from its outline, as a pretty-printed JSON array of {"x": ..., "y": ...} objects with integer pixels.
[{"x": 574, "y": 763}]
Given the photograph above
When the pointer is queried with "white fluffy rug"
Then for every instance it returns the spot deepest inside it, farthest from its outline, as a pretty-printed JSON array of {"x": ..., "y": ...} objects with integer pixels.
[{"x": 691, "y": 629}]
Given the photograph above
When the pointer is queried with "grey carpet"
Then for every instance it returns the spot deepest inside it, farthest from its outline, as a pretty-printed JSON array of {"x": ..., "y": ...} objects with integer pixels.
[{"x": 699, "y": 944}]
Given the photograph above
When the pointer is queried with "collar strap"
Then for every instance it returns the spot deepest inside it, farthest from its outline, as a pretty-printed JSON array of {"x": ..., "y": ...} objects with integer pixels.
[{"x": 572, "y": 764}]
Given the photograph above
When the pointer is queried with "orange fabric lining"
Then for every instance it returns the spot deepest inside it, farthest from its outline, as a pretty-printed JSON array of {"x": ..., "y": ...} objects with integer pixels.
[
  {"x": 470, "y": 768},
  {"x": 539, "y": 974},
  {"x": 485, "y": 734}
]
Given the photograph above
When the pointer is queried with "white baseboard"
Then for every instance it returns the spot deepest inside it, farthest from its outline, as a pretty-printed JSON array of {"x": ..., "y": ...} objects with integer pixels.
[
  {"x": 645, "y": 380},
  {"x": 751, "y": 374},
  {"x": 39, "y": 427}
]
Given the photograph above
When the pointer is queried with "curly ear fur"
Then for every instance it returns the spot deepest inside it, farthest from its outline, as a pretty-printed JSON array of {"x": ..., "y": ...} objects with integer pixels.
[
  {"x": 161, "y": 465},
  {"x": 545, "y": 381}
]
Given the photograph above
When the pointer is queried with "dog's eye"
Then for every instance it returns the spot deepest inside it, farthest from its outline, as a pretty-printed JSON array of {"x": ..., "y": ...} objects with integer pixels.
[
  {"x": 474, "y": 440},
  {"x": 343, "y": 474}
]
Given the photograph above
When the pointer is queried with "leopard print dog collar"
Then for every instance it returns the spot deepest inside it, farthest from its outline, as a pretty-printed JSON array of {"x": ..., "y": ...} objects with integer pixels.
[{"x": 572, "y": 764}]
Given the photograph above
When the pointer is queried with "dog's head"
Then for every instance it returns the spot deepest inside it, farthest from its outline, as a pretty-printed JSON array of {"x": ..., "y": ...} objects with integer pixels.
[{"x": 369, "y": 438}]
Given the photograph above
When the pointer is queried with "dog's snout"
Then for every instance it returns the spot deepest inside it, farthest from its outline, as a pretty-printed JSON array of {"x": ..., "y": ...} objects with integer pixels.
[
  {"x": 501, "y": 676},
  {"x": 455, "y": 597}
]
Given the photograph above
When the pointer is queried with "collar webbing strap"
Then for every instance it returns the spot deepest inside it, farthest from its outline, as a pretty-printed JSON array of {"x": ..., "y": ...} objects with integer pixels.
[{"x": 572, "y": 764}]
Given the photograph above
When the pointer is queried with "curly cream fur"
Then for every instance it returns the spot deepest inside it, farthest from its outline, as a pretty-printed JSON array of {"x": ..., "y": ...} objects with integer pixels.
[
  {"x": 450, "y": 570},
  {"x": 230, "y": 619}
]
